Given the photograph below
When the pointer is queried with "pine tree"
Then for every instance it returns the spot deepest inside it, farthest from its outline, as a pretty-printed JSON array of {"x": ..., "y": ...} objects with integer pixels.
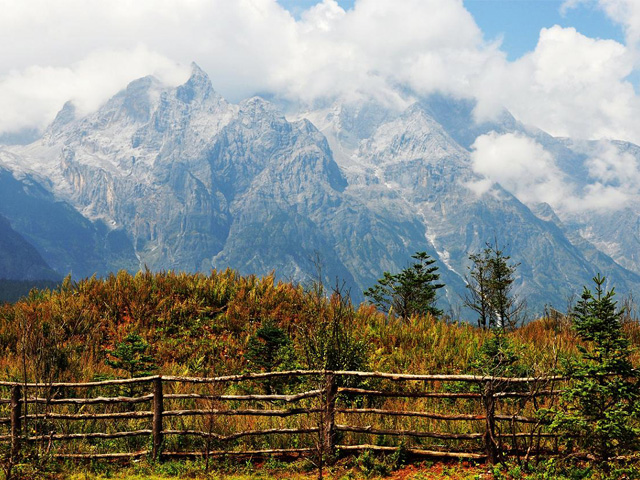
[
  {"x": 267, "y": 348},
  {"x": 413, "y": 291},
  {"x": 477, "y": 297},
  {"x": 131, "y": 355},
  {"x": 270, "y": 350},
  {"x": 601, "y": 409},
  {"x": 489, "y": 289}
]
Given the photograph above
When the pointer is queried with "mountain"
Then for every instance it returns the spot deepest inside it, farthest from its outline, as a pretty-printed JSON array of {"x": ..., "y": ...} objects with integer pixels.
[
  {"x": 417, "y": 161},
  {"x": 62, "y": 236},
  {"x": 178, "y": 178},
  {"x": 19, "y": 260},
  {"x": 21, "y": 266}
]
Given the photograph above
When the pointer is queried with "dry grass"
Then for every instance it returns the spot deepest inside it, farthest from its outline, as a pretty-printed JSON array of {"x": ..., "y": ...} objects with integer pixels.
[{"x": 200, "y": 325}]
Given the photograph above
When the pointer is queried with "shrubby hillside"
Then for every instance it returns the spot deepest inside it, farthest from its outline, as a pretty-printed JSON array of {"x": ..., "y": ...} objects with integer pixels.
[{"x": 199, "y": 324}]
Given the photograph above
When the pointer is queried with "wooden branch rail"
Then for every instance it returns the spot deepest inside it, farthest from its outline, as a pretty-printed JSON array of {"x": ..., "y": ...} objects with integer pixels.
[
  {"x": 90, "y": 401},
  {"x": 436, "y": 416},
  {"x": 217, "y": 453},
  {"x": 89, "y": 416},
  {"x": 247, "y": 433},
  {"x": 538, "y": 393},
  {"x": 519, "y": 419},
  {"x": 242, "y": 453},
  {"x": 526, "y": 435},
  {"x": 414, "y": 451},
  {"x": 102, "y": 383},
  {"x": 324, "y": 404},
  {"x": 448, "y": 378},
  {"x": 409, "y": 433},
  {"x": 244, "y": 412},
  {"x": 290, "y": 373},
  {"x": 244, "y": 376},
  {"x": 378, "y": 393},
  {"x": 85, "y": 436},
  {"x": 269, "y": 398},
  {"x": 405, "y": 413},
  {"x": 103, "y": 456}
]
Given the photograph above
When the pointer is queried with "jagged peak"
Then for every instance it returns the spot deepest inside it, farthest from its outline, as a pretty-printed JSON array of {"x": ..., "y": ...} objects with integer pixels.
[
  {"x": 198, "y": 73},
  {"x": 416, "y": 114},
  {"x": 197, "y": 87},
  {"x": 142, "y": 84},
  {"x": 66, "y": 115},
  {"x": 458, "y": 116},
  {"x": 258, "y": 105}
]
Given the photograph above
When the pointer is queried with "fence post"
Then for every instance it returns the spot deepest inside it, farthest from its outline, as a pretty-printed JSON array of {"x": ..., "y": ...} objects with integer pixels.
[
  {"x": 157, "y": 418},
  {"x": 331, "y": 391},
  {"x": 490, "y": 430},
  {"x": 16, "y": 421}
]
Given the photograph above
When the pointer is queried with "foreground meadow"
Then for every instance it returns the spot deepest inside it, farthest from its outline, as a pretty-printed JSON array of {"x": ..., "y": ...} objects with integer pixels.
[{"x": 220, "y": 324}]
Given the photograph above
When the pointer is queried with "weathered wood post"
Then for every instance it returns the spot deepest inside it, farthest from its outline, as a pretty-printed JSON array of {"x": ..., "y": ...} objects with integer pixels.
[
  {"x": 331, "y": 392},
  {"x": 157, "y": 419},
  {"x": 16, "y": 419},
  {"x": 490, "y": 429}
]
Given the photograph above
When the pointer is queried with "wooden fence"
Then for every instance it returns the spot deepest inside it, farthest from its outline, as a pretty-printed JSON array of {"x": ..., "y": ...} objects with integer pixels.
[{"x": 454, "y": 416}]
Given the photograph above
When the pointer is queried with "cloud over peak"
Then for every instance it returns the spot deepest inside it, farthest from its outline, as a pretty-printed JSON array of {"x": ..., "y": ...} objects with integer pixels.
[
  {"x": 86, "y": 50},
  {"x": 530, "y": 172}
]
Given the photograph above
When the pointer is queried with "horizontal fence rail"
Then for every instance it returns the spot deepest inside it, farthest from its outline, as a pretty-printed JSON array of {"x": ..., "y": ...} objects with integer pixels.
[{"x": 448, "y": 416}]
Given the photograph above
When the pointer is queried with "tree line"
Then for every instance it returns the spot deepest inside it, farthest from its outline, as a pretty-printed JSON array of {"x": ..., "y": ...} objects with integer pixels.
[{"x": 413, "y": 291}]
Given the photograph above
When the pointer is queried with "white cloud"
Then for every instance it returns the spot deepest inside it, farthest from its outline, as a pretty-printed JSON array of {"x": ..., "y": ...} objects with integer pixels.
[
  {"x": 615, "y": 176},
  {"x": 32, "y": 97},
  {"x": 523, "y": 167},
  {"x": 253, "y": 46},
  {"x": 569, "y": 4},
  {"x": 426, "y": 45},
  {"x": 520, "y": 165},
  {"x": 88, "y": 49},
  {"x": 626, "y": 13},
  {"x": 570, "y": 85},
  {"x": 623, "y": 12}
]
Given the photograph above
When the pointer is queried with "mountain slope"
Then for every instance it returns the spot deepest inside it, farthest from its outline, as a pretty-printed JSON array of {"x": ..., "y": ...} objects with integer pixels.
[
  {"x": 419, "y": 160},
  {"x": 18, "y": 259},
  {"x": 197, "y": 183},
  {"x": 178, "y": 178},
  {"x": 66, "y": 240}
]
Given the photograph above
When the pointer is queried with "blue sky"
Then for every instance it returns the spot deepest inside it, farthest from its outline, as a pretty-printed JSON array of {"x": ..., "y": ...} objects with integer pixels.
[{"x": 516, "y": 22}]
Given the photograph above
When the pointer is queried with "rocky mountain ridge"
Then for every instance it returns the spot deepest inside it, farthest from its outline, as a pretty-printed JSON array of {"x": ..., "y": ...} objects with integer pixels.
[{"x": 178, "y": 178}]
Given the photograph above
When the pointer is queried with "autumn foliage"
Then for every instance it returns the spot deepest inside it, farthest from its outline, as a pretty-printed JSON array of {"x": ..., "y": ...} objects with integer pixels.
[{"x": 200, "y": 324}]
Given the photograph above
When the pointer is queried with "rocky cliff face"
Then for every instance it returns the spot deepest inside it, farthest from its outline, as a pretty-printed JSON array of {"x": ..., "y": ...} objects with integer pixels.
[
  {"x": 177, "y": 178},
  {"x": 414, "y": 165},
  {"x": 67, "y": 241}
]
